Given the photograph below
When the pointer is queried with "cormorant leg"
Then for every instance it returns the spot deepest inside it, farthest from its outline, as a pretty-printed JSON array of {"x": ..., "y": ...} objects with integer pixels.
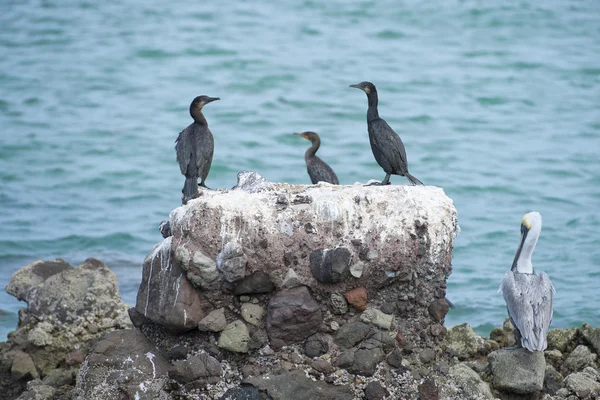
[
  {"x": 386, "y": 181},
  {"x": 203, "y": 185}
]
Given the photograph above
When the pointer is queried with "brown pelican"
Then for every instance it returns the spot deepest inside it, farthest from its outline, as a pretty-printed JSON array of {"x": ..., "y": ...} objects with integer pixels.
[{"x": 528, "y": 296}]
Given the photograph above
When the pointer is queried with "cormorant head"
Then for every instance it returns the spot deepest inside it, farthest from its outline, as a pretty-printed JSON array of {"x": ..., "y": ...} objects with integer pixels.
[
  {"x": 365, "y": 86},
  {"x": 531, "y": 226},
  {"x": 201, "y": 101},
  {"x": 312, "y": 136}
]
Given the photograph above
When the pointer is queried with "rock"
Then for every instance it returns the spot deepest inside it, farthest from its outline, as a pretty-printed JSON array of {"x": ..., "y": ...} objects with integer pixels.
[
  {"x": 292, "y": 316},
  {"x": 438, "y": 330},
  {"x": 178, "y": 352},
  {"x": 56, "y": 289},
  {"x": 374, "y": 391},
  {"x": 295, "y": 385},
  {"x": 552, "y": 380},
  {"x": 38, "y": 391},
  {"x": 23, "y": 366},
  {"x": 39, "y": 337},
  {"x": 196, "y": 371},
  {"x": 235, "y": 337},
  {"x": 330, "y": 265},
  {"x": 243, "y": 392},
  {"x": 582, "y": 385},
  {"x": 252, "y": 182},
  {"x": 505, "y": 336},
  {"x": 315, "y": 346},
  {"x": 165, "y": 229},
  {"x": 252, "y": 313},
  {"x": 214, "y": 322},
  {"x": 290, "y": 280},
  {"x": 257, "y": 282},
  {"x": 427, "y": 356},
  {"x": 122, "y": 365},
  {"x": 464, "y": 342},
  {"x": 428, "y": 390},
  {"x": 469, "y": 382},
  {"x": 166, "y": 296},
  {"x": 592, "y": 336},
  {"x": 377, "y": 318},
  {"x": 339, "y": 305},
  {"x": 561, "y": 339},
  {"x": 59, "y": 377},
  {"x": 231, "y": 261},
  {"x": 438, "y": 309},
  {"x": 258, "y": 339},
  {"x": 352, "y": 333},
  {"x": 356, "y": 269},
  {"x": 554, "y": 357},
  {"x": 518, "y": 371},
  {"x": 579, "y": 358},
  {"x": 365, "y": 361},
  {"x": 200, "y": 269},
  {"x": 322, "y": 366},
  {"x": 395, "y": 358},
  {"x": 357, "y": 298}
]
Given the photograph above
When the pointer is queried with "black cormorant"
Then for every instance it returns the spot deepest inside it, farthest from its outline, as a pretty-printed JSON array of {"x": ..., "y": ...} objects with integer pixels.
[
  {"x": 318, "y": 170},
  {"x": 385, "y": 143},
  {"x": 195, "y": 146}
]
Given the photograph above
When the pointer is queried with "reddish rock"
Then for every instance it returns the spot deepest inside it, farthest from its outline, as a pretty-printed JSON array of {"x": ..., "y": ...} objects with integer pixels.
[
  {"x": 438, "y": 309},
  {"x": 400, "y": 339},
  {"x": 428, "y": 390},
  {"x": 357, "y": 298},
  {"x": 75, "y": 357}
]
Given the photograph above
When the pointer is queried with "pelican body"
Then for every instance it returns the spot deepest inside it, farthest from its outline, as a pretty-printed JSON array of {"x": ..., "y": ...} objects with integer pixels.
[
  {"x": 195, "y": 146},
  {"x": 528, "y": 296},
  {"x": 318, "y": 170}
]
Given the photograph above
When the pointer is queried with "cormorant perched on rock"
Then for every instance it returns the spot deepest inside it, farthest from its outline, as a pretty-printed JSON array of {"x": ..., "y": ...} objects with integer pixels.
[
  {"x": 195, "y": 146},
  {"x": 318, "y": 170},
  {"x": 528, "y": 296},
  {"x": 385, "y": 143}
]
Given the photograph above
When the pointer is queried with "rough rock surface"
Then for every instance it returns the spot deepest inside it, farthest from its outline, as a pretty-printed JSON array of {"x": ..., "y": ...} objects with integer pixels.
[
  {"x": 295, "y": 385},
  {"x": 464, "y": 342},
  {"x": 518, "y": 371},
  {"x": 470, "y": 384}
]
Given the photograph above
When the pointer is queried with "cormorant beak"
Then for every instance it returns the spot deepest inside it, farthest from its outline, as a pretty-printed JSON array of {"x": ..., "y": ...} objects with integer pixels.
[
  {"x": 211, "y": 99},
  {"x": 524, "y": 232},
  {"x": 357, "y": 86},
  {"x": 300, "y": 134}
]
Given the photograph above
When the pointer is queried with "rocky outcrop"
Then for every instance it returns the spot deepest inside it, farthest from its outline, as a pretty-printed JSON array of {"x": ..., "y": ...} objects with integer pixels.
[
  {"x": 69, "y": 309},
  {"x": 518, "y": 371}
]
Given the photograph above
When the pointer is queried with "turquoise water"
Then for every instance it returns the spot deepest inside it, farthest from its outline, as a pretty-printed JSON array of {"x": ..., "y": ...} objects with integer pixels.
[{"x": 499, "y": 105}]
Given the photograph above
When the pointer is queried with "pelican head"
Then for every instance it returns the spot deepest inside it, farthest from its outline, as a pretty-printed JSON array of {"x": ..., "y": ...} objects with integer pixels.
[{"x": 531, "y": 226}]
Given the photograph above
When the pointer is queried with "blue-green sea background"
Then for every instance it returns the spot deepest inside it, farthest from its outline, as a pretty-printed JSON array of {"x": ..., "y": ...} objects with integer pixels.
[{"x": 498, "y": 104}]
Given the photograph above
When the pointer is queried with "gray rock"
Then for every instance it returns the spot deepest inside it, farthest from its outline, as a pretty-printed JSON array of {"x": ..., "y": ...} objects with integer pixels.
[
  {"x": 295, "y": 385},
  {"x": 243, "y": 392},
  {"x": 231, "y": 261},
  {"x": 339, "y": 305},
  {"x": 552, "y": 380},
  {"x": 438, "y": 309},
  {"x": 252, "y": 313},
  {"x": 292, "y": 316},
  {"x": 469, "y": 382},
  {"x": 60, "y": 377},
  {"x": 165, "y": 229},
  {"x": 377, "y": 318},
  {"x": 330, "y": 265},
  {"x": 201, "y": 270},
  {"x": 196, "y": 371},
  {"x": 214, "y": 322},
  {"x": 427, "y": 356},
  {"x": 166, "y": 296},
  {"x": 258, "y": 339},
  {"x": 464, "y": 342},
  {"x": 235, "y": 337},
  {"x": 350, "y": 334},
  {"x": 38, "y": 391},
  {"x": 322, "y": 366},
  {"x": 356, "y": 269},
  {"x": 579, "y": 358},
  {"x": 56, "y": 289},
  {"x": 257, "y": 282},
  {"x": 252, "y": 182},
  {"x": 561, "y": 339},
  {"x": 315, "y": 346},
  {"x": 374, "y": 391},
  {"x": 592, "y": 336},
  {"x": 428, "y": 390},
  {"x": 582, "y": 385},
  {"x": 518, "y": 371},
  {"x": 290, "y": 279},
  {"x": 395, "y": 358},
  {"x": 124, "y": 363},
  {"x": 366, "y": 361},
  {"x": 23, "y": 366},
  {"x": 178, "y": 352}
]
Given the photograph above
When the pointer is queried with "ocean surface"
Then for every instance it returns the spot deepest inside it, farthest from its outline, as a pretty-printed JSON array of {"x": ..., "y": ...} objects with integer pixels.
[{"x": 498, "y": 104}]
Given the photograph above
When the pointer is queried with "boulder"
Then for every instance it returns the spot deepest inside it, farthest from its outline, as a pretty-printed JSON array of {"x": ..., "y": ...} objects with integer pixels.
[
  {"x": 235, "y": 337},
  {"x": 330, "y": 265},
  {"x": 582, "y": 385},
  {"x": 375, "y": 391},
  {"x": 592, "y": 336},
  {"x": 464, "y": 342},
  {"x": 252, "y": 313},
  {"x": 126, "y": 364},
  {"x": 292, "y": 316},
  {"x": 469, "y": 382},
  {"x": 196, "y": 371},
  {"x": 561, "y": 339},
  {"x": 257, "y": 282},
  {"x": 166, "y": 296},
  {"x": 295, "y": 385},
  {"x": 579, "y": 358},
  {"x": 518, "y": 371},
  {"x": 214, "y": 322}
]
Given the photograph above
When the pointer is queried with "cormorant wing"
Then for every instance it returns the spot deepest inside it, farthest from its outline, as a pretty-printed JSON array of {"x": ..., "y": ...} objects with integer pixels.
[
  {"x": 184, "y": 150},
  {"x": 529, "y": 303},
  {"x": 387, "y": 141}
]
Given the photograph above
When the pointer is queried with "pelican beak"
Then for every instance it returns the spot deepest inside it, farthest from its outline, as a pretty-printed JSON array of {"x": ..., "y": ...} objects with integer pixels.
[{"x": 524, "y": 232}]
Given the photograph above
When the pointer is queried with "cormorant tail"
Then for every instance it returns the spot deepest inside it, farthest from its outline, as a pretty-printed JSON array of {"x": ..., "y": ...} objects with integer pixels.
[
  {"x": 190, "y": 188},
  {"x": 412, "y": 179}
]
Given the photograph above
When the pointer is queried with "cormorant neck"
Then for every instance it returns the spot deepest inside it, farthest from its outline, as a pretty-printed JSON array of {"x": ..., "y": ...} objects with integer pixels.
[
  {"x": 372, "y": 112},
  {"x": 312, "y": 150},
  {"x": 198, "y": 117}
]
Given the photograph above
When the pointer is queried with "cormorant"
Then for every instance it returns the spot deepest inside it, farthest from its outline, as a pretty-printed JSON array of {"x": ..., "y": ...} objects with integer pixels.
[
  {"x": 528, "y": 296},
  {"x": 318, "y": 170},
  {"x": 385, "y": 143},
  {"x": 195, "y": 146}
]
